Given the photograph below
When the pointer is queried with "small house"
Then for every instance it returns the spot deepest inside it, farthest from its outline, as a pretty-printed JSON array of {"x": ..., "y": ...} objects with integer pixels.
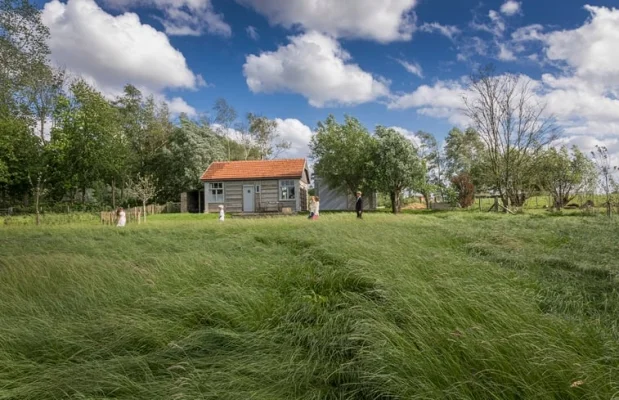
[
  {"x": 341, "y": 199},
  {"x": 259, "y": 186}
]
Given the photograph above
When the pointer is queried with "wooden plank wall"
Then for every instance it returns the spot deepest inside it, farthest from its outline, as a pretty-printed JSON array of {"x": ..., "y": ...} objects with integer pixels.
[{"x": 266, "y": 200}]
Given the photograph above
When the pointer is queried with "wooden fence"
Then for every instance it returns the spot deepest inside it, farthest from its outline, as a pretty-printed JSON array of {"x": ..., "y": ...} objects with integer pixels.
[{"x": 133, "y": 215}]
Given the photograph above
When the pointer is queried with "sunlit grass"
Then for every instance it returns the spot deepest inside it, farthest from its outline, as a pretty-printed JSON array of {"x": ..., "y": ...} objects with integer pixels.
[{"x": 447, "y": 305}]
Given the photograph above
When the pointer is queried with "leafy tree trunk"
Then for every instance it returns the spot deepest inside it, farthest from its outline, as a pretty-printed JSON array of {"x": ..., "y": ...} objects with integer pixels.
[
  {"x": 114, "y": 193},
  {"x": 84, "y": 195},
  {"x": 144, "y": 209},
  {"x": 396, "y": 206}
]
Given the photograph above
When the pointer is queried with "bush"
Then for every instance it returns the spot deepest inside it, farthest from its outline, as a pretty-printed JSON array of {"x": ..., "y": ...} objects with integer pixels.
[{"x": 465, "y": 189}]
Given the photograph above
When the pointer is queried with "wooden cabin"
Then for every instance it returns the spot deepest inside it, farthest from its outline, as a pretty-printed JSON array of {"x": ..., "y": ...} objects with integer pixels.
[{"x": 262, "y": 186}]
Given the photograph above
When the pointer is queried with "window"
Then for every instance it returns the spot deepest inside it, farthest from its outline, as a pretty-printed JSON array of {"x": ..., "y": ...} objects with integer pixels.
[
  {"x": 216, "y": 192},
  {"x": 286, "y": 190},
  {"x": 257, "y": 188}
]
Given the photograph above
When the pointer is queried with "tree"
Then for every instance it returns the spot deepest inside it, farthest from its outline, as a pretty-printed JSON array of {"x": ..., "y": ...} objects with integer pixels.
[
  {"x": 265, "y": 136},
  {"x": 192, "y": 147},
  {"x": 397, "y": 165},
  {"x": 343, "y": 154},
  {"x": 225, "y": 115},
  {"x": 144, "y": 188},
  {"x": 243, "y": 145},
  {"x": 461, "y": 151},
  {"x": 564, "y": 175},
  {"x": 23, "y": 54},
  {"x": 85, "y": 139},
  {"x": 514, "y": 129},
  {"x": 605, "y": 172},
  {"x": 433, "y": 160},
  {"x": 44, "y": 88},
  {"x": 19, "y": 158},
  {"x": 465, "y": 189}
]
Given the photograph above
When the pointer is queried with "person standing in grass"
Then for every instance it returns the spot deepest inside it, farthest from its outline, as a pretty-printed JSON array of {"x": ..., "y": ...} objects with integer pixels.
[
  {"x": 222, "y": 214},
  {"x": 359, "y": 205},
  {"x": 122, "y": 218},
  {"x": 314, "y": 207}
]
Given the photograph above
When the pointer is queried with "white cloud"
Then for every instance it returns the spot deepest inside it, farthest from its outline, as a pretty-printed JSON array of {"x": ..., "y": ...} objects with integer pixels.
[
  {"x": 412, "y": 67},
  {"x": 252, "y": 32},
  {"x": 443, "y": 100},
  {"x": 410, "y": 135},
  {"x": 472, "y": 46},
  {"x": 496, "y": 27},
  {"x": 297, "y": 133},
  {"x": 315, "y": 66},
  {"x": 111, "y": 51},
  {"x": 592, "y": 50},
  {"x": 528, "y": 33},
  {"x": 511, "y": 7},
  {"x": 582, "y": 94},
  {"x": 445, "y": 30},
  {"x": 289, "y": 129},
  {"x": 181, "y": 17},
  {"x": 499, "y": 24},
  {"x": 383, "y": 21},
  {"x": 505, "y": 54},
  {"x": 178, "y": 106}
]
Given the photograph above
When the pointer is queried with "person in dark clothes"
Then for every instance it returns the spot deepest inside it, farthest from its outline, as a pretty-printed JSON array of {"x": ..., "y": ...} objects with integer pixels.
[{"x": 359, "y": 206}]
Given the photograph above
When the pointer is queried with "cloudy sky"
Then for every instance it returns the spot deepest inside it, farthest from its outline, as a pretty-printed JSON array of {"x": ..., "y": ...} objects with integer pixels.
[{"x": 399, "y": 63}]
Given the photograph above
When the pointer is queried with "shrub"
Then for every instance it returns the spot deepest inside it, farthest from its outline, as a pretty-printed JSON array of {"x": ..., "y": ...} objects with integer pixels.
[{"x": 465, "y": 189}]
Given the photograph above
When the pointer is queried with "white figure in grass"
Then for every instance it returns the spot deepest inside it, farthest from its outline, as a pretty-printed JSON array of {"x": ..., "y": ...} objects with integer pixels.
[
  {"x": 222, "y": 215},
  {"x": 122, "y": 217}
]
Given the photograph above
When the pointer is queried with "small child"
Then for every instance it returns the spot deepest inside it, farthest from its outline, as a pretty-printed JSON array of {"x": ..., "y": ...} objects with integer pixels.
[
  {"x": 314, "y": 207},
  {"x": 122, "y": 217},
  {"x": 222, "y": 215}
]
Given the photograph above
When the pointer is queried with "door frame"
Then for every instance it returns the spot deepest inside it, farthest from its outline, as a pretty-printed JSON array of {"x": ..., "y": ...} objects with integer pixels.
[{"x": 252, "y": 188}]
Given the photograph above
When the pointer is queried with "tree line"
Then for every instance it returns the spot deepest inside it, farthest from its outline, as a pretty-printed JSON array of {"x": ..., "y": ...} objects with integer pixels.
[
  {"x": 509, "y": 152},
  {"x": 62, "y": 140}
]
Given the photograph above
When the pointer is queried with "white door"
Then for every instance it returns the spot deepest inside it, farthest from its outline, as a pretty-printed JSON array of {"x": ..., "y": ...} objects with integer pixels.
[{"x": 248, "y": 199}]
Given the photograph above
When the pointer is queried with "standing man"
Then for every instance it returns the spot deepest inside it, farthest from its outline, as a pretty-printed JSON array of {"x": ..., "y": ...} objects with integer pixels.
[{"x": 359, "y": 206}]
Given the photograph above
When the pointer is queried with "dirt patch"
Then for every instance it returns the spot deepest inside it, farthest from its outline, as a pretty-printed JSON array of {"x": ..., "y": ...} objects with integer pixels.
[{"x": 414, "y": 206}]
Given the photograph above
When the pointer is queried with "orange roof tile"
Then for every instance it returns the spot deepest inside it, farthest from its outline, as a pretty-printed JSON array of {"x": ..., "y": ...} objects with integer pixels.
[{"x": 261, "y": 169}]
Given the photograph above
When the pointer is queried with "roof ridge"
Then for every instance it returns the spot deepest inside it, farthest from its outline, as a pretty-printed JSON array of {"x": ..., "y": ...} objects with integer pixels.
[{"x": 277, "y": 159}]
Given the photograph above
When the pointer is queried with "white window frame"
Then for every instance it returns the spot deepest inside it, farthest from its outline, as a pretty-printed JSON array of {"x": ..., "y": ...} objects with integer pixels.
[
  {"x": 257, "y": 189},
  {"x": 214, "y": 195},
  {"x": 284, "y": 190}
]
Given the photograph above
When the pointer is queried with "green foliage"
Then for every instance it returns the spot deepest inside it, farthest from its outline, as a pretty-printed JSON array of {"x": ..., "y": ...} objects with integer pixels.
[
  {"x": 564, "y": 175},
  {"x": 396, "y": 165},
  {"x": 23, "y": 55},
  {"x": 86, "y": 138},
  {"x": 415, "y": 307},
  {"x": 462, "y": 150},
  {"x": 265, "y": 136},
  {"x": 343, "y": 154},
  {"x": 191, "y": 148}
]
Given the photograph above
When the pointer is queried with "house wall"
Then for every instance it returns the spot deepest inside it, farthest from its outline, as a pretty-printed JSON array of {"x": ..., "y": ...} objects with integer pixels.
[
  {"x": 341, "y": 200},
  {"x": 265, "y": 201}
]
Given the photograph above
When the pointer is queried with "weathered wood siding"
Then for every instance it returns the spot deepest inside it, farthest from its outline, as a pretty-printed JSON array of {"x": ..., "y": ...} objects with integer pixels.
[{"x": 267, "y": 200}]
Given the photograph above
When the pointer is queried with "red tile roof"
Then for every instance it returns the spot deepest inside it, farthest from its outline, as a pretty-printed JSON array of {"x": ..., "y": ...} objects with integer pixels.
[{"x": 262, "y": 169}]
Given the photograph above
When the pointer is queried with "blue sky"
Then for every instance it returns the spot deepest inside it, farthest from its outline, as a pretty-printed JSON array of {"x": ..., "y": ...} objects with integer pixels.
[{"x": 399, "y": 63}]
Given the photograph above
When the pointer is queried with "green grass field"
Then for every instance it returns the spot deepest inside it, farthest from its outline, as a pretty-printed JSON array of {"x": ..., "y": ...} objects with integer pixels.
[{"x": 431, "y": 306}]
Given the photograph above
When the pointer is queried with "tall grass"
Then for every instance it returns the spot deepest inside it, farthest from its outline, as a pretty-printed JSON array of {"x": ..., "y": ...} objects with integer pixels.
[{"x": 453, "y": 306}]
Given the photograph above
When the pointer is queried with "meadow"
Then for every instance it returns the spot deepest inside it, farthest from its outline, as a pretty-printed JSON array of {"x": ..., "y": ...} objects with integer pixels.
[{"x": 460, "y": 305}]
